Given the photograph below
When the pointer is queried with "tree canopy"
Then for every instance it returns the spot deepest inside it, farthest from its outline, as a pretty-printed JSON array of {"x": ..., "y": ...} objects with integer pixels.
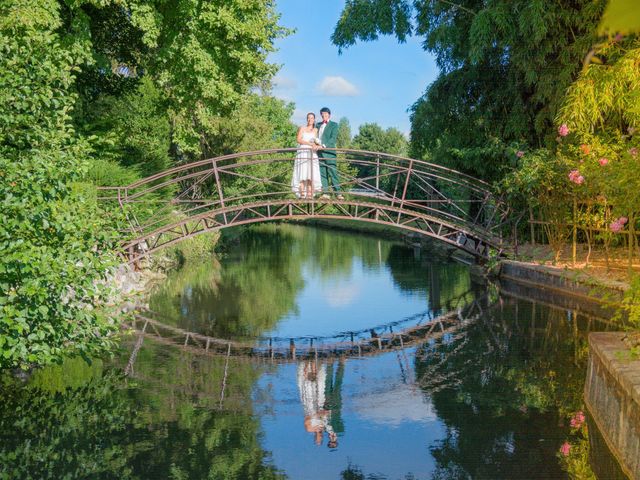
[{"x": 505, "y": 67}]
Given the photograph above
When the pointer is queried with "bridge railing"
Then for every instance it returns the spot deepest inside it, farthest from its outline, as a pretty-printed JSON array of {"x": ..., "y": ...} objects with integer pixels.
[{"x": 196, "y": 189}]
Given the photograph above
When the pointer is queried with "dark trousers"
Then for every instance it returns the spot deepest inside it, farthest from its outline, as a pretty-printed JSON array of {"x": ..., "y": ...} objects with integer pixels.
[{"x": 329, "y": 174}]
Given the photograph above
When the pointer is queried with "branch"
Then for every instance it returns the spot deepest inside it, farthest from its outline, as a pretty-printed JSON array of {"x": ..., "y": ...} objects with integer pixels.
[{"x": 468, "y": 10}]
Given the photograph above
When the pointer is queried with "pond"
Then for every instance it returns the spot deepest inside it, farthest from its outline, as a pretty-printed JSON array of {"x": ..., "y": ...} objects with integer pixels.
[{"x": 389, "y": 363}]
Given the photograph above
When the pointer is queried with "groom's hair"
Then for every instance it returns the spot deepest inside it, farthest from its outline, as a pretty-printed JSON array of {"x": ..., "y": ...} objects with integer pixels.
[{"x": 325, "y": 109}]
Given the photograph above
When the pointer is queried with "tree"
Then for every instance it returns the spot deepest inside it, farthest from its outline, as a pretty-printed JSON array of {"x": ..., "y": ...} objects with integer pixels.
[
  {"x": 344, "y": 133},
  {"x": 204, "y": 57},
  {"x": 505, "y": 66},
  {"x": 373, "y": 138}
]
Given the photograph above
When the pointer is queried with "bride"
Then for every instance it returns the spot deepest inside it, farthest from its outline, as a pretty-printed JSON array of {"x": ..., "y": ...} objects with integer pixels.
[{"x": 306, "y": 169}]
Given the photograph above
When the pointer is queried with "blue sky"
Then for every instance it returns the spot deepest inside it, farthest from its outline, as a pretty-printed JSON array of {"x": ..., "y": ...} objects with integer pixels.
[{"x": 370, "y": 82}]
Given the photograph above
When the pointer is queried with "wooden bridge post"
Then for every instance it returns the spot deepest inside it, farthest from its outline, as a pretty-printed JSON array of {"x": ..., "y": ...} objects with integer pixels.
[{"x": 378, "y": 173}]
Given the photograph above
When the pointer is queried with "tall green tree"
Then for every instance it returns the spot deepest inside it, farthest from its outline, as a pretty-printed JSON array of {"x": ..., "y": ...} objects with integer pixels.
[
  {"x": 204, "y": 57},
  {"x": 344, "y": 133},
  {"x": 505, "y": 66}
]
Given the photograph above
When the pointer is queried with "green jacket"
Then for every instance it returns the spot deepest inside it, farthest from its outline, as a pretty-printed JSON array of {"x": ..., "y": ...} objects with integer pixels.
[{"x": 329, "y": 139}]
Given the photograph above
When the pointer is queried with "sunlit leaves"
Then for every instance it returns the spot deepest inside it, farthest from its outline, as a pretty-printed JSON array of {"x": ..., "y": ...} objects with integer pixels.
[{"x": 621, "y": 16}]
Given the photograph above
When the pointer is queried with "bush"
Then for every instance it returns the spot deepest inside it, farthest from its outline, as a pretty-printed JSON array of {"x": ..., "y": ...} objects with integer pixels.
[{"x": 55, "y": 244}]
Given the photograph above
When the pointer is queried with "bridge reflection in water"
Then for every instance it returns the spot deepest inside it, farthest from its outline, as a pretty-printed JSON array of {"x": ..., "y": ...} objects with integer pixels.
[
  {"x": 253, "y": 187},
  {"x": 421, "y": 327}
]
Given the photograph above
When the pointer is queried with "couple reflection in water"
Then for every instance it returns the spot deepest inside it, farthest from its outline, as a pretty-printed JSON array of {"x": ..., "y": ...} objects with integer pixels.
[{"x": 320, "y": 393}]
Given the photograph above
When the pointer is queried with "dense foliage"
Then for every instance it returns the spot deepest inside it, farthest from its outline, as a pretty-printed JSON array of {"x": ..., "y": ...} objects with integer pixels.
[
  {"x": 104, "y": 93},
  {"x": 505, "y": 66},
  {"x": 55, "y": 248}
]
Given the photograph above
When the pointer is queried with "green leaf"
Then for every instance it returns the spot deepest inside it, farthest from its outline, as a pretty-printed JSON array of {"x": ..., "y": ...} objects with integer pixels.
[{"x": 620, "y": 16}]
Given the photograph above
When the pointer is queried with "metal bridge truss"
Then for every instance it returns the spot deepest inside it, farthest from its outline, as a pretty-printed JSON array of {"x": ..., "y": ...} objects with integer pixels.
[{"x": 252, "y": 187}]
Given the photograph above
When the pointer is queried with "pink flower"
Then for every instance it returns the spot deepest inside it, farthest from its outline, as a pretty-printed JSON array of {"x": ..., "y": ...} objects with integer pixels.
[
  {"x": 622, "y": 220},
  {"x": 565, "y": 448},
  {"x": 563, "y": 130},
  {"x": 633, "y": 151},
  {"x": 519, "y": 154},
  {"x": 615, "y": 226},
  {"x": 577, "y": 420},
  {"x": 575, "y": 177},
  {"x": 603, "y": 161}
]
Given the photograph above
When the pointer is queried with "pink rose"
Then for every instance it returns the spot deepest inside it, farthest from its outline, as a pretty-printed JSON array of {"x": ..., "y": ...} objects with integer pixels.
[
  {"x": 519, "y": 154},
  {"x": 603, "y": 161},
  {"x": 563, "y": 130},
  {"x": 615, "y": 226},
  {"x": 573, "y": 174},
  {"x": 622, "y": 220},
  {"x": 577, "y": 420},
  {"x": 565, "y": 448}
]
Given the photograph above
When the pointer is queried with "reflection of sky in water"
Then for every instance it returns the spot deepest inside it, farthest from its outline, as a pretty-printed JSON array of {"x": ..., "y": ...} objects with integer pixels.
[
  {"x": 364, "y": 297},
  {"x": 388, "y": 424}
]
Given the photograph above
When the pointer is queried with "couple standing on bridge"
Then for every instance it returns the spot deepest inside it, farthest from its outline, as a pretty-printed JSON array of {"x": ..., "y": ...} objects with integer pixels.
[{"x": 314, "y": 168}]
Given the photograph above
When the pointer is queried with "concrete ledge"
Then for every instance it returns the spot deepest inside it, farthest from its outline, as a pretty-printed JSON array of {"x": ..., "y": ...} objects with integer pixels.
[
  {"x": 612, "y": 397},
  {"x": 568, "y": 282}
]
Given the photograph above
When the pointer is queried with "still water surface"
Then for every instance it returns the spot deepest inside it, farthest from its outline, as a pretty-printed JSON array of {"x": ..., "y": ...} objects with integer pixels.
[{"x": 492, "y": 397}]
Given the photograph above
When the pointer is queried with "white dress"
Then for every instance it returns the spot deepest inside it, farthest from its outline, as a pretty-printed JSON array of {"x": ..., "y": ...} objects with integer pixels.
[
  {"x": 306, "y": 166},
  {"x": 311, "y": 387}
]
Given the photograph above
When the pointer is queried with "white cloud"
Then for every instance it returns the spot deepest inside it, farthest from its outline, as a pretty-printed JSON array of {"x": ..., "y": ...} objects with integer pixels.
[
  {"x": 337, "y": 87},
  {"x": 283, "y": 82},
  {"x": 340, "y": 295},
  {"x": 397, "y": 404}
]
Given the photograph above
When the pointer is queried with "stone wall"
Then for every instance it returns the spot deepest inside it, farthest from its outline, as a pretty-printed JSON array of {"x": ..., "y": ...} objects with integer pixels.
[{"x": 612, "y": 397}]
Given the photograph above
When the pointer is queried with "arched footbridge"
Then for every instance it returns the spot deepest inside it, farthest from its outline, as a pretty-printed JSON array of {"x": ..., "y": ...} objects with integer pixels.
[{"x": 252, "y": 187}]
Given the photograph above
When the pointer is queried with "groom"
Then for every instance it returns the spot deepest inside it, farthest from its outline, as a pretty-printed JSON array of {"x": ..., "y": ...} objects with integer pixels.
[{"x": 328, "y": 133}]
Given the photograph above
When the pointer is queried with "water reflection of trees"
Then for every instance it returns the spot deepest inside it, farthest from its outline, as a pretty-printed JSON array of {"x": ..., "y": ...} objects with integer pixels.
[
  {"x": 253, "y": 291},
  {"x": 169, "y": 422},
  {"x": 246, "y": 293},
  {"x": 503, "y": 388},
  {"x": 440, "y": 282}
]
